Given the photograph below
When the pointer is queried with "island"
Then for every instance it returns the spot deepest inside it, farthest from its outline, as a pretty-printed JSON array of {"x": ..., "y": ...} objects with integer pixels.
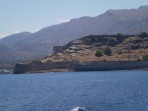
[{"x": 93, "y": 53}]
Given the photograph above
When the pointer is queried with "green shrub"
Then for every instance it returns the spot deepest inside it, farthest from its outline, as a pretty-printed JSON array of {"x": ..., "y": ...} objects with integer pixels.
[
  {"x": 104, "y": 60},
  {"x": 119, "y": 34},
  {"x": 120, "y": 52},
  {"x": 143, "y": 34},
  {"x": 107, "y": 51},
  {"x": 98, "y": 53},
  {"x": 146, "y": 39},
  {"x": 145, "y": 57},
  {"x": 134, "y": 47},
  {"x": 138, "y": 59}
]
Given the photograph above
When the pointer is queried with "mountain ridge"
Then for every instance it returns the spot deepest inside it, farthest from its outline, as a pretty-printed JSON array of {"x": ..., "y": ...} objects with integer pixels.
[{"x": 39, "y": 44}]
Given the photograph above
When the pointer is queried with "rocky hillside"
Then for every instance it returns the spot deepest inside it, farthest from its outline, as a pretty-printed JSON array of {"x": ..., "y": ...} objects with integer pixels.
[
  {"x": 39, "y": 44},
  {"x": 102, "y": 48}
]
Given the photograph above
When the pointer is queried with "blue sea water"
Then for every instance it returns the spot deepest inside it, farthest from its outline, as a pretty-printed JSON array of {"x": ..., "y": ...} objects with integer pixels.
[{"x": 88, "y": 91}]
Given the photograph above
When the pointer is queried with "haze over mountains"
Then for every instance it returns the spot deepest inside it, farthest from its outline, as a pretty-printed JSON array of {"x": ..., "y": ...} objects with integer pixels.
[{"x": 27, "y": 46}]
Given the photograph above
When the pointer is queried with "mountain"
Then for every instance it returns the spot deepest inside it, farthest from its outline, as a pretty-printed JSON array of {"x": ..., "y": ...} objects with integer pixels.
[
  {"x": 3, "y": 47},
  {"x": 11, "y": 40},
  {"x": 39, "y": 44}
]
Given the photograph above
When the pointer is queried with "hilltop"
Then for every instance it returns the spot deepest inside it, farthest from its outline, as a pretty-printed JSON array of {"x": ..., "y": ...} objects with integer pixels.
[{"x": 122, "y": 47}]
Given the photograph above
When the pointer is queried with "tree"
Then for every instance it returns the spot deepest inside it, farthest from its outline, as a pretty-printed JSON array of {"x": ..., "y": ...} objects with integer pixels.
[
  {"x": 143, "y": 34},
  {"x": 107, "y": 51},
  {"x": 145, "y": 57},
  {"x": 119, "y": 34}
]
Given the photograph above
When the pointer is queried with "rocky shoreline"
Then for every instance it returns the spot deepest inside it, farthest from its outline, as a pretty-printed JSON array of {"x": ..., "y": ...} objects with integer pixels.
[{"x": 75, "y": 66}]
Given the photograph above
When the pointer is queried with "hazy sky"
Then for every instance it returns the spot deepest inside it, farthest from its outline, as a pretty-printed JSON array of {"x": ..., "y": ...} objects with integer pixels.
[{"x": 31, "y": 15}]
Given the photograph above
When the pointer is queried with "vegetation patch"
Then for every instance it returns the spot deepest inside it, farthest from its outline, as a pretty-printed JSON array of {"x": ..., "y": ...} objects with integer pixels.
[
  {"x": 143, "y": 34},
  {"x": 146, "y": 39},
  {"x": 98, "y": 53},
  {"x": 107, "y": 51},
  {"x": 145, "y": 57}
]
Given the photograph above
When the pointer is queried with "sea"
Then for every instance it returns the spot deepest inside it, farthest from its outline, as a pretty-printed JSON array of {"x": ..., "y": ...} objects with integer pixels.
[{"x": 75, "y": 91}]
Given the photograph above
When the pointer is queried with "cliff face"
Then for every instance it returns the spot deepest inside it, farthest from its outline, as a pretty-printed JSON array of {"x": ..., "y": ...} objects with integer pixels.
[{"x": 121, "y": 48}]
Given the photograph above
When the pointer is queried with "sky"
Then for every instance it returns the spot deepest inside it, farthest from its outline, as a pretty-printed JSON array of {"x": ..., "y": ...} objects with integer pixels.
[{"x": 32, "y": 15}]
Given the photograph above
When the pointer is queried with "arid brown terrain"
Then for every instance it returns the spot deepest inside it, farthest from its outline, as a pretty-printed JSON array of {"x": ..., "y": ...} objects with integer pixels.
[{"x": 123, "y": 48}]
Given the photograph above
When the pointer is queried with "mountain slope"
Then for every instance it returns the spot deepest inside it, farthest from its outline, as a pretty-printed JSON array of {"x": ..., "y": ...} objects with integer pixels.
[
  {"x": 113, "y": 21},
  {"x": 39, "y": 44},
  {"x": 11, "y": 40}
]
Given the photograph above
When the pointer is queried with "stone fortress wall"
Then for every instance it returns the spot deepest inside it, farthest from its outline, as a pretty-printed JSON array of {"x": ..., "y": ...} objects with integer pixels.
[{"x": 75, "y": 66}]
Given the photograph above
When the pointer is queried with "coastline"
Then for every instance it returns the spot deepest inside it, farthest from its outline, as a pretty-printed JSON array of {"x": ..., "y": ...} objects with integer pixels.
[{"x": 77, "y": 67}]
